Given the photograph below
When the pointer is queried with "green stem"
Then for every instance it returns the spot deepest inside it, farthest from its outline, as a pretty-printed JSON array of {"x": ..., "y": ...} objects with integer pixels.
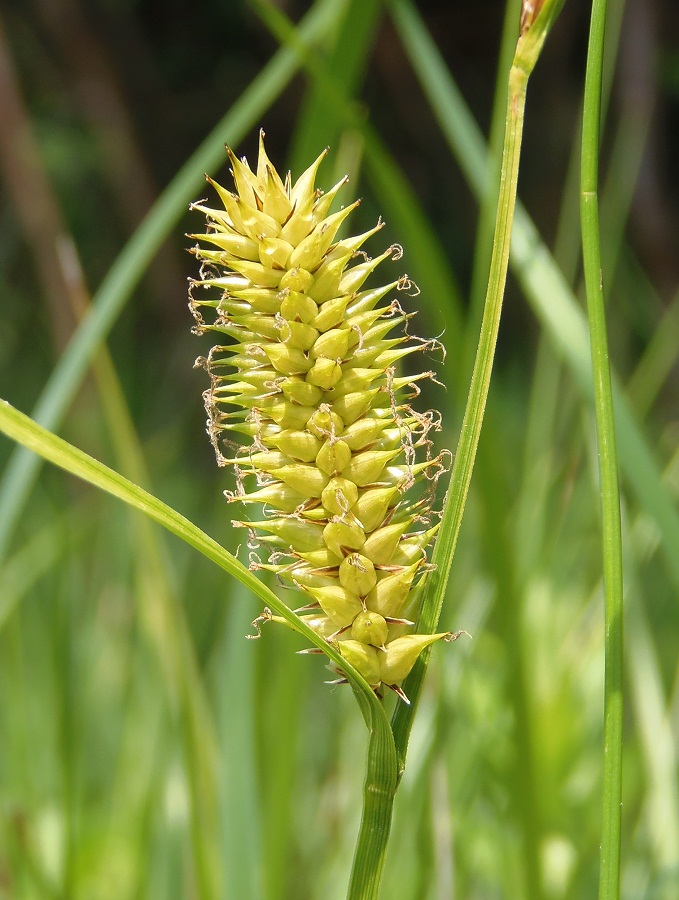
[
  {"x": 476, "y": 402},
  {"x": 483, "y": 365},
  {"x": 609, "y": 875},
  {"x": 526, "y": 55},
  {"x": 379, "y": 790},
  {"x": 483, "y": 241}
]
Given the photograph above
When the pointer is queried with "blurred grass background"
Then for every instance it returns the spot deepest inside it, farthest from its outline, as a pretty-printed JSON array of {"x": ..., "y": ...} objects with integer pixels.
[{"x": 146, "y": 749}]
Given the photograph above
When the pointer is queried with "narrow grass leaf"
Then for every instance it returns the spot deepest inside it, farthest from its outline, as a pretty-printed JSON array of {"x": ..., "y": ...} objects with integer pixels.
[
  {"x": 131, "y": 264},
  {"x": 34, "y": 437}
]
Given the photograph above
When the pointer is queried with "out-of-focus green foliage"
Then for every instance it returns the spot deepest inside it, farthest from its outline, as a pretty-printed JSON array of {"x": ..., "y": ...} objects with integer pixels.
[{"x": 147, "y": 749}]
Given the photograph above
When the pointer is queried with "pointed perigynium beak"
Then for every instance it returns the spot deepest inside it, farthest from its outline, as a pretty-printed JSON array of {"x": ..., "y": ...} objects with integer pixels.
[{"x": 305, "y": 370}]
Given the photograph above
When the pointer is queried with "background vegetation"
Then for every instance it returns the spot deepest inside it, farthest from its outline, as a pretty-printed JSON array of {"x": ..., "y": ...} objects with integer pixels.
[{"x": 146, "y": 749}]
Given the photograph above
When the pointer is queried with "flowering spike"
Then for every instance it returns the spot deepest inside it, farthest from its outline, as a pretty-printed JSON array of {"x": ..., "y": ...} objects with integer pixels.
[
  {"x": 307, "y": 373},
  {"x": 304, "y": 186}
]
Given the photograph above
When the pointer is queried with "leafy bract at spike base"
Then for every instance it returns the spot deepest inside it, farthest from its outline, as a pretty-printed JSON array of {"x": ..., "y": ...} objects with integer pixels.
[{"x": 305, "y": 377}]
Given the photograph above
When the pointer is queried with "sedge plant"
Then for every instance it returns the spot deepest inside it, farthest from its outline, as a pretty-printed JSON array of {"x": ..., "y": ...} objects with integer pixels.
[
  {"x": 308, "y": 407},
  {"x": 334, "y": 449}
]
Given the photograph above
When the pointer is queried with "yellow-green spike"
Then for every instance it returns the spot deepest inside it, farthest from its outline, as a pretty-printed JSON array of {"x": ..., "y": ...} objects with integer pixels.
[{"x": 306, "y": 369}]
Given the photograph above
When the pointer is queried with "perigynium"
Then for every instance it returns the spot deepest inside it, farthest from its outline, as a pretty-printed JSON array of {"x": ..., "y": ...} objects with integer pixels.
[{"x": 307, "y": 373}]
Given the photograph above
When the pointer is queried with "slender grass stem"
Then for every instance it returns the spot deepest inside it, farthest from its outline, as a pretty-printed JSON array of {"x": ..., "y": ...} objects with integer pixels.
[
  {"x": 527, "y": 51},
  {"x": 483, "y": 241},
  {"x": 379, "y": 791},
  {"x": 609, "y": 873}
]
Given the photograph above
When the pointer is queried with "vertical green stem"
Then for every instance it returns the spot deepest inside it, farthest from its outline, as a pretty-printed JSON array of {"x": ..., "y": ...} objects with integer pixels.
[
  {"x": 527, "y": 52},
  {"x": 476, "y": 403},
  {"x": 379, "y": 790},
  {"x": 483, "y": 365},
  {"x": 609, "y": 876},
  {"x": 483, "y": 243}
]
